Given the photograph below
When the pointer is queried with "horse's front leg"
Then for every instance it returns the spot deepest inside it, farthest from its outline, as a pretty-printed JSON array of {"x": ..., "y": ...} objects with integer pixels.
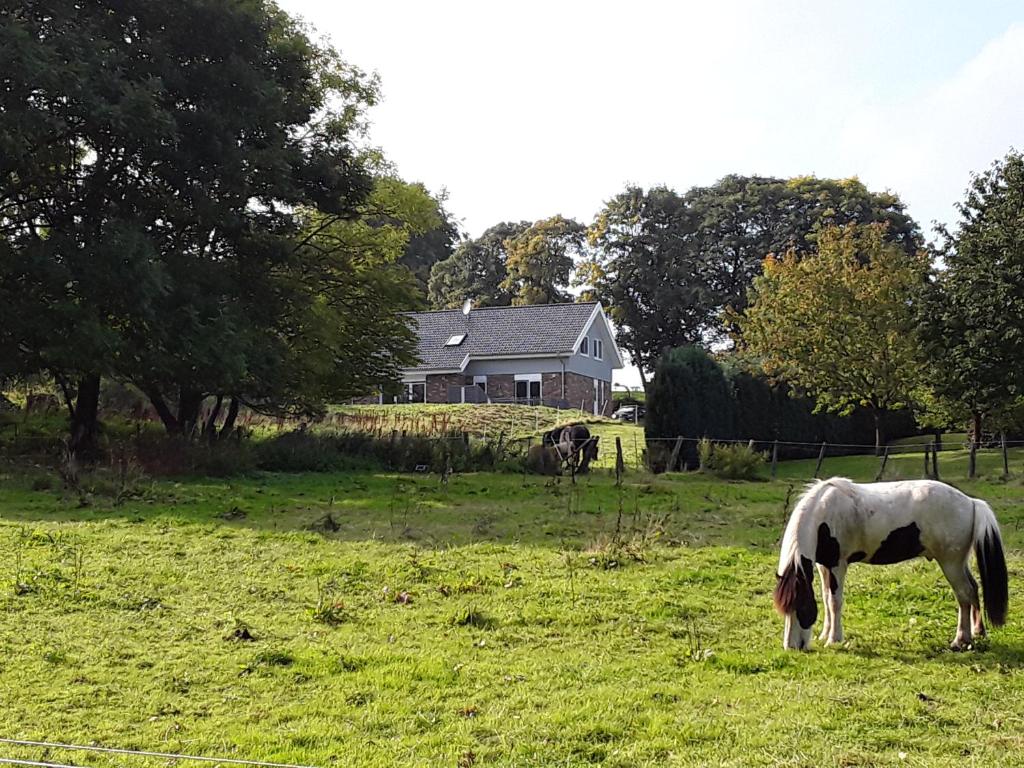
[
  {"x": 826, "y": 624},
  {"x": 966, "y": 595},
  {"x": 834, "y": 600}
]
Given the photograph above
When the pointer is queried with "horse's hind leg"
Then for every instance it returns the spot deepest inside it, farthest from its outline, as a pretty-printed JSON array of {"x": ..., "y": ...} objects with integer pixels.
[
  {"x": 966, "y": 595},
  {"x": 826, "y": 624},
  {"x": 977, "y": 622}
]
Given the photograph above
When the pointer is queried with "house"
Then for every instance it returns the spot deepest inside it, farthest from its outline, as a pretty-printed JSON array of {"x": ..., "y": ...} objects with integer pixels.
[{"x": 561, "y": 355}]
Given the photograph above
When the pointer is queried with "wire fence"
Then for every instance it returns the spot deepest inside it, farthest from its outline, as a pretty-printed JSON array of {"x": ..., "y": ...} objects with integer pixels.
[{"x": 47, "y": 746}]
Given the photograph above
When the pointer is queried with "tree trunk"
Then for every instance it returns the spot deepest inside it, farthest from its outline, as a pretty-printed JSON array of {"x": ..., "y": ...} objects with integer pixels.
[
  {"x": 210, "y": 427},
  {"x": 84, "y": 421},
  {"x": 879, "y": 442},
  {"x": 189, "y": 403},
  {"x": 162, "y": 410},
  {"x": 229, "y": 419},
  {"x": 976, "y": 427}
]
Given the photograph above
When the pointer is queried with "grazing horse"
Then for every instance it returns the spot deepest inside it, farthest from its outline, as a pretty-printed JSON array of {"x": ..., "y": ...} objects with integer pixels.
[
  {"x": 575, "y": 445},
  {"x": 837, "y": 522}
]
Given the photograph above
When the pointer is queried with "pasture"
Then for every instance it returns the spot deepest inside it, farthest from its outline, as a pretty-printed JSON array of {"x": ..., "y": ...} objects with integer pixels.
[{"x": 370, "y": 619}]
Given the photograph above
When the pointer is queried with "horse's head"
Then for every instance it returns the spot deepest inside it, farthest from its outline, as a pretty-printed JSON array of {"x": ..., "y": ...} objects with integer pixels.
[{"x": 794, "y": 599}]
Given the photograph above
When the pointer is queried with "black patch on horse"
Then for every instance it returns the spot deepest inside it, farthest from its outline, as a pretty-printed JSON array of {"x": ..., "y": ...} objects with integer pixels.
[
  {"x": 901, "y": 544},
  {"x": 833, "y": 582},
  {"x": 827, "y": 552},
  {"x": 807, "y": 608},
  {"x": 856, "y": 557}
]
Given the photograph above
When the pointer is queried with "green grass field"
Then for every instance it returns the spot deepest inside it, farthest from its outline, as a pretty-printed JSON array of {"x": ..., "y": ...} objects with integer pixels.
[{"x": 375, "y": 620}]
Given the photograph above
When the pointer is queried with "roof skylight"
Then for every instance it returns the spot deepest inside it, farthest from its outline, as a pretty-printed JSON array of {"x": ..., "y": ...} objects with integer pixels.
[{"x": 454, "y": 341}]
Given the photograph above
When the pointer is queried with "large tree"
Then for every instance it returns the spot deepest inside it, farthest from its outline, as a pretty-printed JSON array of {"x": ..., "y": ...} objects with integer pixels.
[
  {"x": 321, "y": 325},
  {"x": 742, "y": 219},
  {"x": 667, "y": 264},
  {"x": 429, "y": 246},
  {"x": 540, "y": 261},
  {"x": 840, "y": 323},
  {"x": 477, "y": 270},
  {"x": 150, "y": 162},
  {"x": 645, "y": 269},
  {"x": 972, "y": 321}
]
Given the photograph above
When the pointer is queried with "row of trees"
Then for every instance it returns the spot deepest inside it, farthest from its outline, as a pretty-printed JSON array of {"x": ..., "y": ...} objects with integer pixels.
[
  {"x": 187, "y": 204},
  {"x": 863, "y": 321},
  {"x": 665, "y": 264}
]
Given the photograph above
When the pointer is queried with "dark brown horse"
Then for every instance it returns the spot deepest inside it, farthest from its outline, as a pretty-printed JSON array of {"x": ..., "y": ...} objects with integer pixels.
[{"x": 575, "y": 445}]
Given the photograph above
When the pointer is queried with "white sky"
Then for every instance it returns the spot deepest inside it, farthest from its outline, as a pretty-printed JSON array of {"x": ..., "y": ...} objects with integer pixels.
[{"x": 528, "y": 109}]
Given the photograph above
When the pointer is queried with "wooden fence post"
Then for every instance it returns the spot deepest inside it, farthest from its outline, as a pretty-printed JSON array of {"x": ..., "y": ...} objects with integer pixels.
[
  {"x": 674, "y": 458},
  {"x": 821, "y": 458},
  {"x": 927, "y": 467},
  {"x": 936, "y": 447},
  {"x": 881, "y": 468},
  {"x": 1006, "y": 457},
  {"x": 775, "y": 459},
  {"x": 620, "y": 465},
  {"x": 972, "y": 459},
  {"x": 636, "y": 452}
]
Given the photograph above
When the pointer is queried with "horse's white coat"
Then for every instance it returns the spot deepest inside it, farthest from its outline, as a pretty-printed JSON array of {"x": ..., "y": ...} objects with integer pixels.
[{"x": 861, "y": 516}]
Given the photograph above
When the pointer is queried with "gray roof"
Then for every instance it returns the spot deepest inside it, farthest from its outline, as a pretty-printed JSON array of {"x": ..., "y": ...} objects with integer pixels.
[{"x": 540, "y": 329}]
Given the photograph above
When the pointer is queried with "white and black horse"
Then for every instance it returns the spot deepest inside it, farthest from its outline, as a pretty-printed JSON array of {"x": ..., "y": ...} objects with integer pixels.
[
  {"x": 837, "y": 522},
  {"x": 575, "y": 445}
]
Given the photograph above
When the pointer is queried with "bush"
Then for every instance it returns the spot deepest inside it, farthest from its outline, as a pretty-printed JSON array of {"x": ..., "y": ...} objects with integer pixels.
[{"x": 731, "y": 461}]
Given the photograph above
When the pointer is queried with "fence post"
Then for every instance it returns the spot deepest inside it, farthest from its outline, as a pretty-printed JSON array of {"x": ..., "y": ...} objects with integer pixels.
[
  {"x": 620, "y": 465},
  {"x": 936, "y": 447},
  {"x": 821, "y": 458},
  {"x": 775, "y": 459},
  {"x": 1006, "y": 457},
  {"x": 927, "y": 468},
  {"x": 674, "y": 458},
  {"x": 465, "y": 439},
  {"x": 881, "y": 468},
  {"x": 972, "y": 460},
  {"x": 636, "y": 453}
]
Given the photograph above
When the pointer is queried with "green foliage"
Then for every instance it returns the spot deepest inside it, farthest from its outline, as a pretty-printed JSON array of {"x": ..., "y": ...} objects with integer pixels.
[
  {"x": 689, "y": 396},
  {"x": 429, "y": 246},
  {"x": 540, "y": 260},
  {"x": 476, "y": 270},
  {"x": 840, "y": 324},
  {"x": 973, "y": 312},
  {"x": 148, "y": 226},
  {"x": 730, "y": 461},
  {"x": 666, "y": 264}
]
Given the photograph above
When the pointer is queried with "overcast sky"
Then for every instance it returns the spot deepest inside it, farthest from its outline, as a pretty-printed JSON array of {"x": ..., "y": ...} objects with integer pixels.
[{"x": 524, "y": 110}]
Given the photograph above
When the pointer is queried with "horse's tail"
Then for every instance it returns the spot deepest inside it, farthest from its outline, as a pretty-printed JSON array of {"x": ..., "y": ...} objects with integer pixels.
[{"x": 988, "y": 550}]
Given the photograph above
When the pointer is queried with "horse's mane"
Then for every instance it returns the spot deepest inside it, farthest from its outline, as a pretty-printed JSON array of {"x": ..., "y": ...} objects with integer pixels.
[{"x": 794, "y": 587}]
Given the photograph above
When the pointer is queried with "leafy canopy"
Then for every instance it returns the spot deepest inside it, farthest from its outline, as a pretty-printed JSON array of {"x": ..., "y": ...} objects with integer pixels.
[{"x": 840, "y": 323}]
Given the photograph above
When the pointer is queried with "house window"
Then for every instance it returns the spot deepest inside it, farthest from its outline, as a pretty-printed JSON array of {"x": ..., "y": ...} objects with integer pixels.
[
  {"x": 416, "y": 392},
  {"x": 528, "y": 388},
  {"x": 583, "y": 346},
  {"x": 598, "y": 349},
  {"x": 481, "y": 381},
  {"x": 456, "y": 340}
]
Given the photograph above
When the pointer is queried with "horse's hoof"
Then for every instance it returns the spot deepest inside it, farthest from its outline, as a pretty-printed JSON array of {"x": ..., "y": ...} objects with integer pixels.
[{"x": 959, "y": 645}]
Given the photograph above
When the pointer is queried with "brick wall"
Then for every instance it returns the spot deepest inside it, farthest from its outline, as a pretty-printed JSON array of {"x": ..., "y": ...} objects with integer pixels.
[
  {"x": 501, "y": 387},
  {"x": 437, "y": 386}
]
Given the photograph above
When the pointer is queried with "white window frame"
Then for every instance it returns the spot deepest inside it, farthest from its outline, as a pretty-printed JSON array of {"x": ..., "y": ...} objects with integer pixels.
[
  {"x": 529, "y": 378},
  {"x": 598, "y": 346},
  {"x": 478, "y": 380},
  {"x": 584, "y": 344}
]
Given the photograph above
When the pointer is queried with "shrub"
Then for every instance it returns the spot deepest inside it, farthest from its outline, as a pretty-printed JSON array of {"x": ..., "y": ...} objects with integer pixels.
[{"x": 735, "y": 461}]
